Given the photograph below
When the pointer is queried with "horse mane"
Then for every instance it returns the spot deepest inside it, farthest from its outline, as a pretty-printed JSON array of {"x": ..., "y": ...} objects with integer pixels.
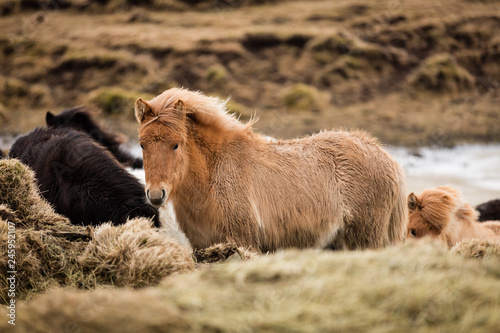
[
  {"x": 444, "y": 205},
  {"x": 205, "y": 110}
]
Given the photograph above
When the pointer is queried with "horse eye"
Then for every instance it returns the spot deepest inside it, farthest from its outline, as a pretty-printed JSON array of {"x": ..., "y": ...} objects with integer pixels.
[
  {"x": 176, "y": 146},
  {"x": 142, "y": 147},
  {"x": 413, "y": 233}
]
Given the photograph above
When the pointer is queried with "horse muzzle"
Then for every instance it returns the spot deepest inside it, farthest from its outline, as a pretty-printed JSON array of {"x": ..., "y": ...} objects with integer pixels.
[{"x": 157, "y": 196}]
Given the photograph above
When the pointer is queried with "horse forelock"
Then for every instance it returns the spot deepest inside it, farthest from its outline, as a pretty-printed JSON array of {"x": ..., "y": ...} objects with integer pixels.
[{"x": 164, "y": 124}]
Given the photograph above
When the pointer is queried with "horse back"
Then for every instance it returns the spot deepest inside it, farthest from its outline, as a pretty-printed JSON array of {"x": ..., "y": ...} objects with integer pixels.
[{"x": 304, "y": 192}]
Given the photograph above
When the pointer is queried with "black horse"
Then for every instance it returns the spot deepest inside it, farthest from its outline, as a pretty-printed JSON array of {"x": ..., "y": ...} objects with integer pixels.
[
  {"x": 81, "y": 178},
  {"x": 489, "y": 211},
  {"x": 81, "y": 120}
]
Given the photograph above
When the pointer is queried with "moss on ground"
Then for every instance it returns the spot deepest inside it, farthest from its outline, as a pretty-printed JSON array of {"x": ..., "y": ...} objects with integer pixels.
[
  {"x": 117, "y": 101},
  {"x": 301, "y": 97}
]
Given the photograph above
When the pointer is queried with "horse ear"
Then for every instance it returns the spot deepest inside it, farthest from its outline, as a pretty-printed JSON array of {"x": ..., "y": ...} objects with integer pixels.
[
  {"x": 48, "y": 117},
  {"x": 180, "y": 109},
  {"x": 412, "y": 201},
  {"x": 142, "y": 110}
]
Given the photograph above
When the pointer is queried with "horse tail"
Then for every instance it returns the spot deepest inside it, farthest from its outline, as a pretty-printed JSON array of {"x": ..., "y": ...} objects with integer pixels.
[{"x": 398, "y": 222}]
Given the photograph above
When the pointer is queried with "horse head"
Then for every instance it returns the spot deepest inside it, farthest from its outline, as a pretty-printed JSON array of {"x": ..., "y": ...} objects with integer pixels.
[
  {"x": 432, "y": 210},
  {"x": 163, "y": 139}
]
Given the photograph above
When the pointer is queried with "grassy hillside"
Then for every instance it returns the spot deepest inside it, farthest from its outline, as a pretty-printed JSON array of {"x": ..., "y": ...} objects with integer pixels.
[{"x": 411, "y": 72}]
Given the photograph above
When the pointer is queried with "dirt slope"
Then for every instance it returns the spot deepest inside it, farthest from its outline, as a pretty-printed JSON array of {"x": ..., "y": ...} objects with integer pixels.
[{"x": 411, "y": 72}]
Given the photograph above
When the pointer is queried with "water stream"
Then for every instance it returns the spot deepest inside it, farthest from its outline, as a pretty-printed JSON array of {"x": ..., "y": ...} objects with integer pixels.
[{"x": 473, "y": 169}]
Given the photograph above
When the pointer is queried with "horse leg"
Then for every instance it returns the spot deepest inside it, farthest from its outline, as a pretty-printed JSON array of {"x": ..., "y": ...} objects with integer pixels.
[{"x": 370, "y": 232}]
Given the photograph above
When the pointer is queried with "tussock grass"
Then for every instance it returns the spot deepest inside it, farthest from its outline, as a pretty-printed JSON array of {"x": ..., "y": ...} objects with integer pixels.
[
  {"x": 301, "y": 97},
  {"x": 133, "y": 255},
  {"x": 222, "y": 252},
  {"x": 473, "y": 248},
  {"x": 19, "y": 192},
  {"x": 441, "y": 73},
  {"x": 116, "y": 101},
  {"x": 419, "y": 287},
  {"x": 427, "y": 71},
  {"x": 50, "y": 251}
]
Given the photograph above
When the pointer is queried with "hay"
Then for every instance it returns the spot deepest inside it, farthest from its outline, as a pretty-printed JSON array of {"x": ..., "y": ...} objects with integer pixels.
[
  {"x": 42, "y": 260},
  {"x": 19, "y": 192},
  {"x": 222, "y": 252},
  {"x": 52, "y": 252},
  {"x": 41, "y": 255},
  {"x": 134, "y": 254},
  {"x": 418, "y": 287},
  {"x": 473, "y": 248}
]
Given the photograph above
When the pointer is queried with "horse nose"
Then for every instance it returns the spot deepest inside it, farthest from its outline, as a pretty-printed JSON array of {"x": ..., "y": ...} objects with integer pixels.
[{"x": 156, "y": 196}]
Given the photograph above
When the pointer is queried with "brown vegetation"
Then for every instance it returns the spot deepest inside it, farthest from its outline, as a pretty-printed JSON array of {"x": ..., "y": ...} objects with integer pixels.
[
  {"x": 426, "y": 70},
  {"x": 418, "y": 287},
  {"x": 50, "y": 251}
]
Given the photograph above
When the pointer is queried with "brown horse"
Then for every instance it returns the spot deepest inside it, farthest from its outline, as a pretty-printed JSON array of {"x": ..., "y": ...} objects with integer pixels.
[
  {"x": 441, "y": 213},
  {"x": 229, "y": 184}
]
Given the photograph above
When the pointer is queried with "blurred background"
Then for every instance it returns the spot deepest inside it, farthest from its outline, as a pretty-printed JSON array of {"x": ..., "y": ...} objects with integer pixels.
[{"x": 423, "y": 76}]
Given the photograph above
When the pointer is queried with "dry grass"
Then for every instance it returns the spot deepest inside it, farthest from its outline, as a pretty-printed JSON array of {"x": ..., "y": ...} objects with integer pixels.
[
  {"x": 473, "y": 248},
  {"x": 218, "y": 253},
  {"x": 418, "y": 287},
  {"x": 50, "y": 251},
  {"x": 441, "y": 73},
  {"x": 19, "y": 193},
  {"x": 134, "y": 255}
]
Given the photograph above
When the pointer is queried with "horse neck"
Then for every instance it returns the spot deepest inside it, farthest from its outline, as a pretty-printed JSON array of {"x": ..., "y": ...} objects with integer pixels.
[{"x": 205, "y": 145}]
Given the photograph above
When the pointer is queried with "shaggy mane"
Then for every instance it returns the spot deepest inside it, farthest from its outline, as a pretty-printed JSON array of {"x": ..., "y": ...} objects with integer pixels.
[
  {"x": 210, "y": 111},
  {"x": 445, "y": 204}
]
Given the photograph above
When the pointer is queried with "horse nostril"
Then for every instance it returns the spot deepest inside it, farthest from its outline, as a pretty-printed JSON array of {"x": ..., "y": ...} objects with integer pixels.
[{"x": 156, "y": 196}]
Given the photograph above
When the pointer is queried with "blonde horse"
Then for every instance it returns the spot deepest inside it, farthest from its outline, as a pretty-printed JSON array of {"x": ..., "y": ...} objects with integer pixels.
[
  {"x": 441, "y": 213},
  {"x": 229, "y": 184}
]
